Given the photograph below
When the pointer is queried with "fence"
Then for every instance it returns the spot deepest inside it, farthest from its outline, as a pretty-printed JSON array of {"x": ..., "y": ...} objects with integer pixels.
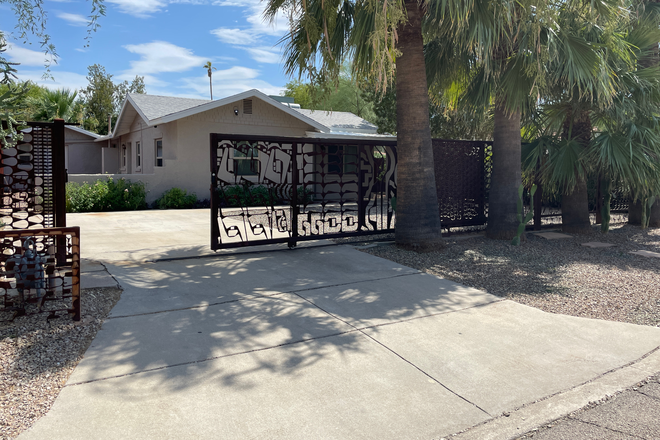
[
  {"x": 40, "y": 258},
  {"x": 33, "y": 178},
  {"x": 462, "y": 177},
  {"x": 41, "y": 272}
]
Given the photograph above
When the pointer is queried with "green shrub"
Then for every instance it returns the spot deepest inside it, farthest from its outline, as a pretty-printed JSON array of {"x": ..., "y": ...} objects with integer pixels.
[
  {"x": 258, "y": 195},
  {"x": 176, "y": 198},
  {"x": 246, "y": 195},
  {"x": 106, "y": 195}
]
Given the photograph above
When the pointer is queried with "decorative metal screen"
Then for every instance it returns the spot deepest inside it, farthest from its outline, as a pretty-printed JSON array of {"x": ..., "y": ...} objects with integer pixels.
[
  {"x": 40, "y": 272},
  {"x": 462, "y": 176},
  {"x": 33, "y": 178},
  {"x": 284, "y": 190}
]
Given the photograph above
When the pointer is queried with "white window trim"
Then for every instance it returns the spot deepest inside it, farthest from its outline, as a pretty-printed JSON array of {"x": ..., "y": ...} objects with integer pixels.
[
  {"x": 257, "y": 159},
  {"x": 162, "y": 160},
  {"x": 138, "y": 156},
  {"x": 123, "y": 157}
]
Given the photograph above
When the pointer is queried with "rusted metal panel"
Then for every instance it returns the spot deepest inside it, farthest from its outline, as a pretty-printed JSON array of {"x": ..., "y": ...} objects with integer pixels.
[
  {"x": 61, "y": 277},
  {"x": 33, "y": 178}
]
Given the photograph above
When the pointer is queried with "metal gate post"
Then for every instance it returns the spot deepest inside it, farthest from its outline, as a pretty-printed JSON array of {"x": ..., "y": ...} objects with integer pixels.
[
  {"x": 59, "y": 186},
  {"x": 215, "y": 228},
  {"x": 293, "y": 241},
  {"x": 361, "y": 208}
]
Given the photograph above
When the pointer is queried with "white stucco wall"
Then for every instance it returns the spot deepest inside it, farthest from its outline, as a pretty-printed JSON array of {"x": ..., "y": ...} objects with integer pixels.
[{"x": 83, "y": 155}]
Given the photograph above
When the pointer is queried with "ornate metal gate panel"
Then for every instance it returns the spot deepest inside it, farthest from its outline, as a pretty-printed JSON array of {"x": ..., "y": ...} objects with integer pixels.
[
  {"x": 285, "y": 190},
  {"x": 462, "y": 177},
  {"x": 33, "y": 177}
]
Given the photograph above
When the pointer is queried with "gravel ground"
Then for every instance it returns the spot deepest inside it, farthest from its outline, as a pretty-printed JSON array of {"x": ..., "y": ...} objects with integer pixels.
[
  {"x": 557, "y": 276},
  {"x": 37, "y": 357}
]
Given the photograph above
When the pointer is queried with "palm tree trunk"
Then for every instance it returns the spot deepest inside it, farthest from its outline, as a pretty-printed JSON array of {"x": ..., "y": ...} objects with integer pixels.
[
  {"x": 417, "y": 214},
  {"x": 635, "y": 209},
  {"x": 506, "y": 175},
  {"x": 575, "y": 202},
  {"x": 635, "y": 214}
]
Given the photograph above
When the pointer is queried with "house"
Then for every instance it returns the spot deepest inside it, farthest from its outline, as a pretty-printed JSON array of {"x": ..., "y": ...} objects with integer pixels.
[
  {"x": 165, "y": 141},
  {"x": 82, "y": 154}
]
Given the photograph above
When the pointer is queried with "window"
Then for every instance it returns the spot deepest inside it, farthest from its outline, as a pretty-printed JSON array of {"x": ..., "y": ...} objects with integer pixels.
[
  {"x": 138, "y": 155},
  {"x": 159, "y": 152},
  {"x": 123, "y": 156},
  {"x": 246, "y": 160},
  {"x": 342, "y": 159}
]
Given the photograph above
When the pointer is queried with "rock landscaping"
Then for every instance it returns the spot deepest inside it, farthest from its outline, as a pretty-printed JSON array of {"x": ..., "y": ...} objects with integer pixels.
[
  {"x": 557, "y": 276},
  {"x": 37, "y": 357}
]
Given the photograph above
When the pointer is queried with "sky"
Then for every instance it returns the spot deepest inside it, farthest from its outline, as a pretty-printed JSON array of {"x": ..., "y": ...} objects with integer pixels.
[{"x": 165, "y": 41}]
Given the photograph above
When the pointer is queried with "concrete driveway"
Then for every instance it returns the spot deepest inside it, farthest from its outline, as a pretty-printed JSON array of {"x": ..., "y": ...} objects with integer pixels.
[{"x": 319, "y": 343}]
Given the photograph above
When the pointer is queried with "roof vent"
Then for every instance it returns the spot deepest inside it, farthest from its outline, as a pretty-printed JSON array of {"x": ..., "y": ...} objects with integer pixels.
[{"x": 247, "y": 106}]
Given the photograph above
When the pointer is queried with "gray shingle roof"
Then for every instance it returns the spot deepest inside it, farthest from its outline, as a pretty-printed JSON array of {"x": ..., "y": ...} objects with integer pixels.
[
  {"x": 154, "y": 106},
  {"x": 339, "y": 121}
]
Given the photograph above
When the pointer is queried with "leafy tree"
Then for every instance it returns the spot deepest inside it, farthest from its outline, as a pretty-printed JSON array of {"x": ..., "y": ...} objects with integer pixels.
[
  {"x": 99, "y": 98},
  {"x": 11, "y": 96},
  {"x": 124, "y": 88},
  {"x": 103, "y": 99},
  {"x": 344, "y": 96},
  {"x": 447, "y": 121},
  {"x": 31, "y": 21}
]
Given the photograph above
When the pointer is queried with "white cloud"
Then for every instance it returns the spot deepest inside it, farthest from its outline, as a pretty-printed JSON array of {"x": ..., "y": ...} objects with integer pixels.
[
  {"x": 236, "y": 37},
  {"x": 73, "y": 19},
  {"x": 69, "y": 80},
  {"x": 265, "y": 55},
  {"x": 234, "y": 73},
  {"x": 278, "y": 27},
  {"x": 27, "y": 57},
  {"x": 258, "y": 30},
  {"x": 161, "y": 56},
  {"x": 139, "y": 8}
]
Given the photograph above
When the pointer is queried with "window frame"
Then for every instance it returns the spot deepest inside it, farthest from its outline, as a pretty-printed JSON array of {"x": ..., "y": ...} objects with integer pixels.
[
  {"x": 339, "y": 165},
  {"x": 138, "y": 156},
  {"x": 123, "y": 157},
  {"x": 246, "y": 157},
  {"x": 159, "y": 162}
]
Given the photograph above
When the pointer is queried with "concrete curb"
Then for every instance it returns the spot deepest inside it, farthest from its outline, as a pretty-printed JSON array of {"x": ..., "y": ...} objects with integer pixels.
[{"x": 540, "y": 413}]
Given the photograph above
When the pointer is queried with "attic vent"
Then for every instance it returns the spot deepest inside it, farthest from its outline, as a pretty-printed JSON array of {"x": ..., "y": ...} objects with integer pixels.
[{"x": 247, "y": 106}]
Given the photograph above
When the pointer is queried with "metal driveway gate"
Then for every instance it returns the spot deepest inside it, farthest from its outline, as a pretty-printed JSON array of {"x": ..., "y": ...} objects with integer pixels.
[{"x": 285, "y": 190}]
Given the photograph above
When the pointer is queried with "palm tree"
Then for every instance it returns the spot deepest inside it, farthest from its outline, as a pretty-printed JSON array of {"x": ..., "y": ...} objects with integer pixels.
[
  {"x": 619, "y": 101},
  {"x": 209, "y": 68},
  {"x": 496, "y": 55},
  {"x": 60, "y": 103},
  {"x": 513, "y": 57},
  {"x": 326, "y": 34}
]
